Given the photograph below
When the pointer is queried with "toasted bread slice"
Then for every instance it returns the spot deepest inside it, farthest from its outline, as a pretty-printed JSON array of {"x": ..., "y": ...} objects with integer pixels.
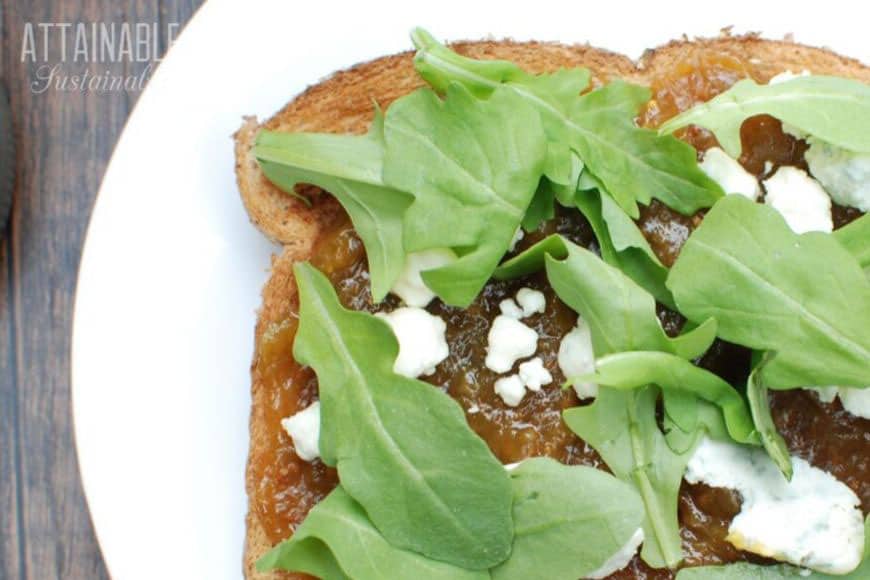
[{"x": 343, "y": 103}]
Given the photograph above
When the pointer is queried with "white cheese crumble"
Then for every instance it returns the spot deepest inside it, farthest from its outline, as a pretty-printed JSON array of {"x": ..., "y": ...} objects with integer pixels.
[
  {"x": 422, "y": 342},
  {"x": 729, "y": 174},
  {"x": 826, "y": 394},
  {"x": 854, "y": 400},
  {"x": 531, "y": 301},
  {"x": 527, "y": 303},
  {"x": 304, "y": 429},
  {"x": 511, "y": 390},
  {"x": 813, "y": 521},
  {"x": 577, "y": 358},
  {"x": 800, "y": 199},
  {"x": 844, "y": 174},
  {"x": 621, "y": 558},
  {"x": 510, "y": 308},
  {"x": 410, "y": 287},
  {"x": 509, "y": 340},
  {"x": 518, "y": 237},
  {"x": 473, "y": 410},
  {"x": 534, "y": 375}
]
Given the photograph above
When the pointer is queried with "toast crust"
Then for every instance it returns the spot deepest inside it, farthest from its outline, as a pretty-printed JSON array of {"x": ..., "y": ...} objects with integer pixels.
[{"x": 344, "y": 103}]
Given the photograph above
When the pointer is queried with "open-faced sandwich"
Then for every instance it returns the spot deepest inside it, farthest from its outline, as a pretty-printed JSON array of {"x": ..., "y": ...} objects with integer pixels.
[{"x": 546, "y": 312}]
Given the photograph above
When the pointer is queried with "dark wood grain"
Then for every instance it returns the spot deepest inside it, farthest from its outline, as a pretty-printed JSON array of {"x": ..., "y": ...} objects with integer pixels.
[{"x": 64, "y": 143}]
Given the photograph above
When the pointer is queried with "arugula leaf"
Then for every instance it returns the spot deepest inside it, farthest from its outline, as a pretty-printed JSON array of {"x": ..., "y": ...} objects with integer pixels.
[
  {"x": 541, "y": 208},
  {"x": 622, "y": 244},
  {"x": 747, "y": 571},
  {"x": 621, "y": 426},
  {"x": 833, "y": 109},
  {"x": 568, "y": 520},
  {"x": 337, "y": 540},
  {"x": 759, "y": 405},
  {"x": 533, "y": 258},
  {"x": 621, "y": 315},
  {"x": 348, "y": 167},
  {"x": 706, "y": 418},
  {"x": 473, "y": 166},
  {"x": 802, "y": 296},
  {"x": 855, "y": 237},
  {"x": 632, "y": 370},
  {"x": 634, "y": 164},
  {"x": 455, "y": 495}
]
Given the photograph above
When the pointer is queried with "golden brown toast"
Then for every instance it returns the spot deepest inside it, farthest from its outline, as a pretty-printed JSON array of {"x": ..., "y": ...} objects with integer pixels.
[{"x": 343, "y": 103}]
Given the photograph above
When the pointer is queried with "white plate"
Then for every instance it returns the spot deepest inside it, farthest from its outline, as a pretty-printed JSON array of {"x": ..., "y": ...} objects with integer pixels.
[{"x": 171, "y": 270}]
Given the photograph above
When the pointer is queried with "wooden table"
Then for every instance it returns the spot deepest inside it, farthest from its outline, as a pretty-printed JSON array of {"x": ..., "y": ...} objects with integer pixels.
[{"x": 64, "y": 140}]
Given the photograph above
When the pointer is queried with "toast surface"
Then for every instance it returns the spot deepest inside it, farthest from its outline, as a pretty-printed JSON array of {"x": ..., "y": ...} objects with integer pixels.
[{"x": 343, "y": 103}]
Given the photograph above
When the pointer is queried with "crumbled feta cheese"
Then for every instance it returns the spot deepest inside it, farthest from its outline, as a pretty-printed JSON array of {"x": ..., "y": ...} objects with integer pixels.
[
  {"x": 621, "y": 558},
  {"x": 410, "y": 286},
  {"x": 422, "y": 342},
  {"x": 534, "y": 375},
  {"x": 844, "y": 174},
  {"x": 813, "y": 521},
  {"x": 518, "y": 237},
  {"x": 473, "y": 410},
  {"x": 531, "y": 301},
  {"x": 577, "y": 358},
  {"x": 510, "y": 308},
  {"x": 508, "y": 341},
  {"x": 825, "y": 394},
  {"x": 729, "y": 174},
  {"x": 856, "y": 401},
  {"x": 800, "y": 199},
  {"x": 511, "y": 389},
  {"x": 304, "y": 429},
  {"x": 528, "y": 302}
]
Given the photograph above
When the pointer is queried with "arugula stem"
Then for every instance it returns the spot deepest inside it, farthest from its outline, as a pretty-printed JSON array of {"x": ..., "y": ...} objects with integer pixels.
[{"x": 655, "y": 514}]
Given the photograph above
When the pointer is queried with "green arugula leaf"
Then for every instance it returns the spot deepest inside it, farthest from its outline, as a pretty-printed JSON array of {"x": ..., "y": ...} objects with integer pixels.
[
  {"x": 348, "y": 167},
  {"x": 747, "y": 571},
  {"x": 620, "y": 241},
  {"x": 455, "y": 495},
  {"x": 835, "y": 110},
  {"x": 541, "y": 208},
  {"x": 759, "y": 405},
  {"x": 803, "y": 296},
  {"x": 473, "y": 166},
  {"x": 855, "y": 237},
  {"x": 337, "y": 541},
  {"x": 568, "y": 520},
  {"x": 533, "y": 258},
  {"x": 621, "y": 426},
  {"x": 634, "y": 164},
  {"x": 632, "y": 370},
  {"x": 621, "y": 315},
  {"x": 706, "y": 418},
  {"x": 622, "y": 244}
]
